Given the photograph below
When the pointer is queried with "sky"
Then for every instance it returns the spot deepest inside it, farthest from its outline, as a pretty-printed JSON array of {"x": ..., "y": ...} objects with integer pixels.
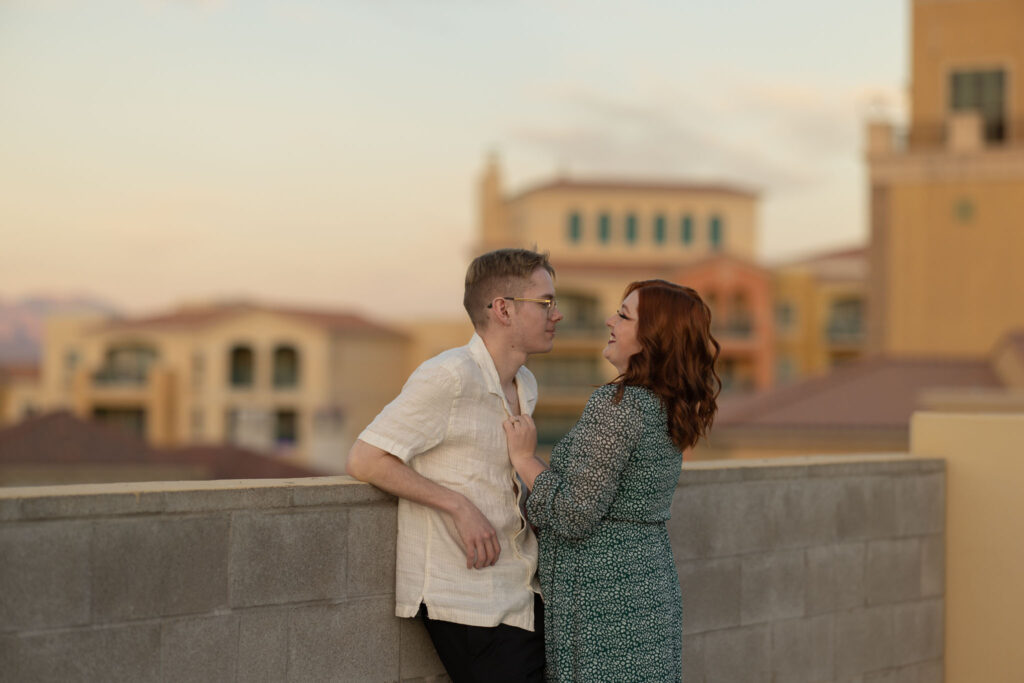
[{"x": 327, "y": 153}]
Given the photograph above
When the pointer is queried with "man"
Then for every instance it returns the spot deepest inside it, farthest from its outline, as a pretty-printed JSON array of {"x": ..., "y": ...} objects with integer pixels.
[{"x": 467, "y": 559}]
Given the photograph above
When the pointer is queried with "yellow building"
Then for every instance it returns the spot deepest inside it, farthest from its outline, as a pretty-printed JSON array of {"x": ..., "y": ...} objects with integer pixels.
[
  {"x": 819, "y": 313},
  {"x": 298, "y": 383},
  {"x": 947, "y": 202}
]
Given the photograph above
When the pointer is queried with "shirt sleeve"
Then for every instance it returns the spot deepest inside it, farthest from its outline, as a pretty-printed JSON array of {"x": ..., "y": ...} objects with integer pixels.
[
  {"x": 417, "y": 420},
  {"x": 572, "y": 497}
]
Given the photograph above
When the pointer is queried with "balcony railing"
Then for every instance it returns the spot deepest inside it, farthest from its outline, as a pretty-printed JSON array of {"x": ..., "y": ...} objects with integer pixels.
[{"x": 120, "y": 377}]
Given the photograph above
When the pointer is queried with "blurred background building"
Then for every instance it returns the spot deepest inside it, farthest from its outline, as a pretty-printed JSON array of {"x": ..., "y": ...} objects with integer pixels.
[{"x": 830, "y": 352}]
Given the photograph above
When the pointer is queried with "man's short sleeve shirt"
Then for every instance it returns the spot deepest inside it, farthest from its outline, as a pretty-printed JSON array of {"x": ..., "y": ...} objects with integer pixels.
[{"x": 447, "y": 425}]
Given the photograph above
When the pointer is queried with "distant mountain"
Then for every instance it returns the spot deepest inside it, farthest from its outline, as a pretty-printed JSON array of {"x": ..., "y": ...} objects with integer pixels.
[{"x": 21, "y": 322}]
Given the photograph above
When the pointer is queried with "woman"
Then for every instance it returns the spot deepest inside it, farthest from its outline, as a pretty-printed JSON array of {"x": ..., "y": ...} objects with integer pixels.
[{"x": 613, "y": 610}]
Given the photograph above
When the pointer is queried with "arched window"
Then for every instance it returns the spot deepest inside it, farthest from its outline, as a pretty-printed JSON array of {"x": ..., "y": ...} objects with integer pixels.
[
  {"x": 242, "y": 368},
  {"x": 659, "y": 229},
  {"x": 575, "y": 227},
  {"x": 686, "y": 229},
  {"x": 286, "y": 366},
  {"x": 715, "y": 232},
  {"x": 604, "y": 227},
  {"x": 631, "y": 228}
]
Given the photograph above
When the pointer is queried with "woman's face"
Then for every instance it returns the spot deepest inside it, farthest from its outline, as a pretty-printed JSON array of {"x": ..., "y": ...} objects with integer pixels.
[{"x": 622, "y": 342}]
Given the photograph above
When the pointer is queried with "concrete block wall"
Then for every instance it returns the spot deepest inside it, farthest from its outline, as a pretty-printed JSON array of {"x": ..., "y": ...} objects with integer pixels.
[
  {"x": 811, "y": 569},
  {"x": 204, "y": 581}
]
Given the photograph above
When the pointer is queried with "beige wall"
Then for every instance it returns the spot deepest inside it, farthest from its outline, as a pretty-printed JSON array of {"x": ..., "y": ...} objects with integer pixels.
[
  {"x": 984, "y": 548},
  {"x": 542, "y": 218}
]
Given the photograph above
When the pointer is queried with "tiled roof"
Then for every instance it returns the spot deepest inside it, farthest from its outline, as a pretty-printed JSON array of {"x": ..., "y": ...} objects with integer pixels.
[
  {"x": 637, "y": 185},
  {"x": 879, "y": 392},
  {"x": 188, "y": 318},
  {"x": 13, "y": 371},
  {"x": 841, "y": 264},
  {"x": 60, "y": 438}
]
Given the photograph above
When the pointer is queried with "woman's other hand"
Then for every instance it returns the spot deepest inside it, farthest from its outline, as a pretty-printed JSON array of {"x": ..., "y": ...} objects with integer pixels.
[{"x": 521, "y": 434}]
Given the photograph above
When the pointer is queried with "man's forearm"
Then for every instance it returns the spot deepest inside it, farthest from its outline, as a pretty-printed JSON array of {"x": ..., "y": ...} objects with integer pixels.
[{"x": 385, "y": 471}]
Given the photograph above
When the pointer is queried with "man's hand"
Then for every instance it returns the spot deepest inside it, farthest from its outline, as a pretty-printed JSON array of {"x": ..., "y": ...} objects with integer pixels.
[
  {"x": 477, "y": 537},
  {"x": 474, "y": 533}
]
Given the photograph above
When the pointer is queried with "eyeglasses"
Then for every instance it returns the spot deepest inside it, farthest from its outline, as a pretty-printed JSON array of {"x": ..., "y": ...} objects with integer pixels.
[{"x": 546, "y": 303}]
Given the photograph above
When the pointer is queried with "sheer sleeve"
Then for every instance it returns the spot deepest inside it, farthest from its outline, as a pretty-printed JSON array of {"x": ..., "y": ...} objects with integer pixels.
[{"x": 572, "y": 496}]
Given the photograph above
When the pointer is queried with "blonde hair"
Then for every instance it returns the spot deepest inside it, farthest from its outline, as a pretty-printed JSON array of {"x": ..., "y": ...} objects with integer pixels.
[{"x": 503, "y": 272}]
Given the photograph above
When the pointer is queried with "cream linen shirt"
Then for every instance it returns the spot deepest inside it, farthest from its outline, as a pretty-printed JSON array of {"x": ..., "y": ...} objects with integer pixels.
[{"x": 446, "y": 425}]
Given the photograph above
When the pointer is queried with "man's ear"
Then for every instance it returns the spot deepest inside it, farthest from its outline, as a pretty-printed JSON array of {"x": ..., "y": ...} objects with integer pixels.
[{"x": 500, "y": 313}]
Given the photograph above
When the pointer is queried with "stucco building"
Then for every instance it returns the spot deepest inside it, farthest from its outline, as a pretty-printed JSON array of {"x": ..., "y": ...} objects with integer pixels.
[
  {"x": 298, "y": 383},
  {"x": 947, "y": 194}
]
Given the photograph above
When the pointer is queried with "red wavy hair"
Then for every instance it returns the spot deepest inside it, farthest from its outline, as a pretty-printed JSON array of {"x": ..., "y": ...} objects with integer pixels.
[{"x": 677, "y": 357}]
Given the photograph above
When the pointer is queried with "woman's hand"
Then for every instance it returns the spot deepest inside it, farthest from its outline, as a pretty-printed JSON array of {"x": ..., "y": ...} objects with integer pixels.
[{"x": 521, "y": 435}]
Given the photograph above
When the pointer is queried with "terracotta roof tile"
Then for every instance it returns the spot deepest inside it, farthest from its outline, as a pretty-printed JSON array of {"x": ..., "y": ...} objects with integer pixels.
[
  {"x": 635, "y": 185},
  {"x": 60, "y": 438},
  {"x": 880, "y": 392},
  {"x": 198, "y": 317}
]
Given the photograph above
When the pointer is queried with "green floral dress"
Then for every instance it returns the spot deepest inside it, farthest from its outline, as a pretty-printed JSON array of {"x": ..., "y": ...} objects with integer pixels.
[{"x": 612, "y": 606}]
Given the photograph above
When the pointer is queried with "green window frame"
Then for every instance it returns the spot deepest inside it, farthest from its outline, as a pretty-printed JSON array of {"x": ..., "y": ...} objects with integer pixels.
[
  {"x": 631, "y": 228},
  {"x": 659, "y": 229},
  {"x": 604, "y": 227},
  {"x": 715, "y": 231},
  {"x": 686, "y": 229},
  {"x": 575, "y": 226}
]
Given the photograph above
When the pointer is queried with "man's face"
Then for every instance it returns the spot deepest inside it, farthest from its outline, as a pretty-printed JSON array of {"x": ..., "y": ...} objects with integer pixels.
[{"x": 534, "y": 322}]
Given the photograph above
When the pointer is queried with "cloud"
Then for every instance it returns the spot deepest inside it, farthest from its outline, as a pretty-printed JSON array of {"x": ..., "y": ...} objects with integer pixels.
[{"x": 598, "y": 133}]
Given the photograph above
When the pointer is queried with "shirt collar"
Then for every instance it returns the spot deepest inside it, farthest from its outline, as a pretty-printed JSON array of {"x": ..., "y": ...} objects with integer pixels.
[{"x": 524, "y": 382}]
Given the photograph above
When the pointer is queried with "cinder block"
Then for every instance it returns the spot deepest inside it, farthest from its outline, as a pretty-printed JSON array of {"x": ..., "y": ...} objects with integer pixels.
[
  {"x": 925, "y": 672},
  {"x": 718, "y": 520},
  {"x": 693, "y": 658},
  {"x": 864, "y": 641},
  {"x": 281, "y": 557},
  {"x": 119, "y": 653},
  {"x": 711, "y": 594},
  {"x": 738, "y": 654},
  {"x": 772, "y": 586},
  {"x": 805, "y": 513},
  {"x": 835, "y": 577},
  {"x": 227, "y": 498},
  {"x": 90, "y": 500},
  {"x": 921, "y": 500},
  {"x": 338, "y": 490},
  {"x": 866, "y": 509},
  {"x": 44, "y": 574},
  {"x": 371, "y": 549},
  {"x": 263, "y": 645},
  {"x": 803, "y": 649},
  {"x": 417, "y": 656},
  {"x": 158, "y": 566},
  {"x": 920, "y": 629},
  {"x": 893, "y": 571},
  {"x": 352, "y": 641},
  {"x": 199, "y": 649},
  {"x": 933, "y": 566}
]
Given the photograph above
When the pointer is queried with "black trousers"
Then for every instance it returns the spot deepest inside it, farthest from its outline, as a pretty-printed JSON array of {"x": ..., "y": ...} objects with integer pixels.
[{"x": 489, "y": 654}]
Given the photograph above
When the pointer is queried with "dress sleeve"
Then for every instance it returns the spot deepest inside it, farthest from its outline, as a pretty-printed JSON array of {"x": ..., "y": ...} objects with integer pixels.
[
  {"x": 572, "y": 497},
  {"x": 417, "y": 420}
]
